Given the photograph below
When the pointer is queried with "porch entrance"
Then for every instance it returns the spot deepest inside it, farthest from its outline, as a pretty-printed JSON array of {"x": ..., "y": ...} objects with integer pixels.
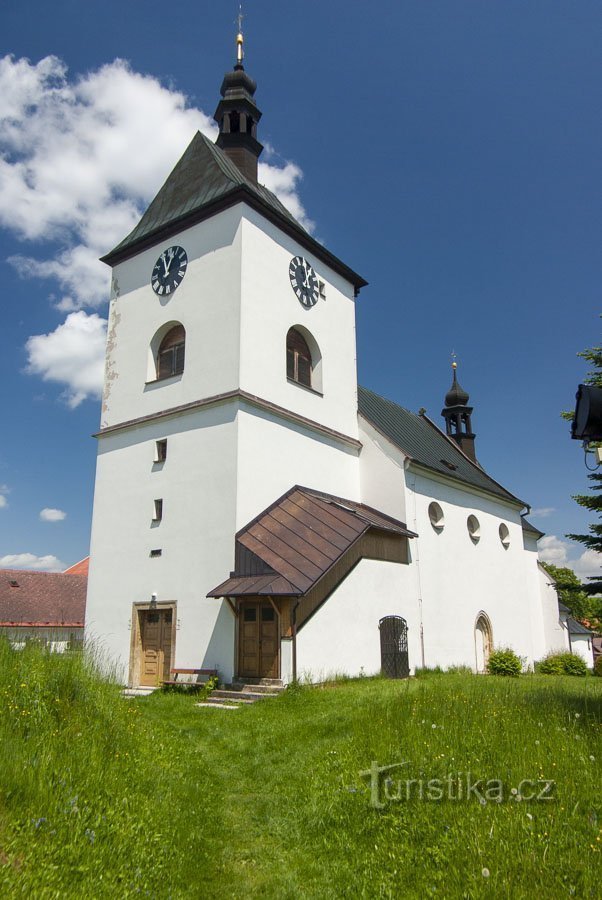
[
  {"x": 258, "y": 640},
  {"x": 155, "y": 640}
]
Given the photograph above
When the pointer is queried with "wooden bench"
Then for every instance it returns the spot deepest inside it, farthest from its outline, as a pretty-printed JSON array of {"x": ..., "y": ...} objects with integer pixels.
[{"x": 189, "y": 677}]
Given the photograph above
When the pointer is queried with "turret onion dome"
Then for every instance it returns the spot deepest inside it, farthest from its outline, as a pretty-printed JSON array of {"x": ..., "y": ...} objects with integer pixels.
[{"x": 456, "y": 396}]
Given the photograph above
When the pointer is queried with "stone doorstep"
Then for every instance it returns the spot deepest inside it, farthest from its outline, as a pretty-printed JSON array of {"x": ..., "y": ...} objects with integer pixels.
[
  {"x": 217, "y": 705},
  {"x": 240, "y": 696},
  {"x": 246, "y": 688},
  {"x": 128, "y": 693}
]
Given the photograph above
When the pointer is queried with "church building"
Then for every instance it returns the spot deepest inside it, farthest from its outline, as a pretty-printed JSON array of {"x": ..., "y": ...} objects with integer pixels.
[{"x": 255, "y": 511}]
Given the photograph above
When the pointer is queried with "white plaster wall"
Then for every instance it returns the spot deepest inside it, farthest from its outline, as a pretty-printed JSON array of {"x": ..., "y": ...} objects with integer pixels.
[
  {"x": 207, "y": 303},
  {"x": 581, "y": 645},
  {"x": 198, "y": 484},
  {"x": 555, "y": 636},
  {"x": 56, "y": 639},
  {"x": 270, "y": 308},
  {"x": 458, "y": 579},
  {"x": 342, "y": 637},
  {"x": 381, "y": 472},
  {"x": 273, "y": 456}
]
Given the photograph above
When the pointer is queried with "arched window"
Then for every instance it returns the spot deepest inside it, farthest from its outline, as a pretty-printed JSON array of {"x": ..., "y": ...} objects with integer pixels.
[
  {"x": 298, "y": 358},
  {"x": 170, "y": 356}
]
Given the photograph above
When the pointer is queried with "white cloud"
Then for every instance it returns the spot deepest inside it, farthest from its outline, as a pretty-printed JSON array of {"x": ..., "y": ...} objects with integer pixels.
[
  {"x": 542, "y": 512},
  {"x": 31, "y": 561},
  {"x": 72, "y": 355},
  {"x": 566, "y": 554},
  {"x": 3, "y": 502},
  {"x": 48, "y": 514},
  {"x": 80, "y": 158}
]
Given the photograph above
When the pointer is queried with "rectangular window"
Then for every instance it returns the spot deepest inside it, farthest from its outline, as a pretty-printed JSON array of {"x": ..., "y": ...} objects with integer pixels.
[
  {"x": 158, "y": 510},
  {"x": 154, "y": 553},
  {"x": 161, "y": 450}
]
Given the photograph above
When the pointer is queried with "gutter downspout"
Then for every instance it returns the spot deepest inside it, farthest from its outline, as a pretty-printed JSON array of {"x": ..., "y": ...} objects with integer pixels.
[
  {"x": 294, "y": 630},
  {"x": 406, "y": 464}
]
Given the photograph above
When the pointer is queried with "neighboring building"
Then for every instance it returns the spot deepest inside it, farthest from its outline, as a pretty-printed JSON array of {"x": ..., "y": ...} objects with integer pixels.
[
  {"x": 44, "y": 606},
  {"x": 250, "y": 502},
  {"x": 577, "y": 638}
]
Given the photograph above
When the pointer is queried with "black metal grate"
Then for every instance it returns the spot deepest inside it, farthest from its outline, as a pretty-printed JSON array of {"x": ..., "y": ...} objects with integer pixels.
[{"x": 394, "y": 647}]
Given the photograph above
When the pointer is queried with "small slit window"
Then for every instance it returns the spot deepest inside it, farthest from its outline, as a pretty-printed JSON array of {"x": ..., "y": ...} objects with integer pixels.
[
  {"x": 155, "y": 553},
  {"x": 504, "y": 535},
  {"x": 298, "y": 358},
  {"x": 161, "y": 450},
  {"x": 170, "y": 358},
  {"x": 436, "y": 517},
  {"x": 157, "y": 510},
  {"x": 474, "y": 529}
]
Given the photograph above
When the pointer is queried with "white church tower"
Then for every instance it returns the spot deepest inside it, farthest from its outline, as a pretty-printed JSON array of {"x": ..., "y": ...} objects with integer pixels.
[{"x": 230, "y": 377}]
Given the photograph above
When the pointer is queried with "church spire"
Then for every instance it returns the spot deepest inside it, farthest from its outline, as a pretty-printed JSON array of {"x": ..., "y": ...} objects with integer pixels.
[
  {"x": 457, "y": 413},
  {"x": 237, "y": 114}
]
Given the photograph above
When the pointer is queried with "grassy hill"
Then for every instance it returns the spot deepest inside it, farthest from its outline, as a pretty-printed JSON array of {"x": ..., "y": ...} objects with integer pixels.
[{"x": 102, "y": 797}]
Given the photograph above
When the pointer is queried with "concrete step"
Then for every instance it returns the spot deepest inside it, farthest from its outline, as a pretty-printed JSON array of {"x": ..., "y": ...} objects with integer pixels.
[
  {"x": 245, "y": 688},
  {"x": 137, "y": 692},
  {"x": 270, "y": 682},
  {"x": 244, "y": 696}
]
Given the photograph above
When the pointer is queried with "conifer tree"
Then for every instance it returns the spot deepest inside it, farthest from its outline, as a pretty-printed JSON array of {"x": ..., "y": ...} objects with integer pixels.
[{"x": 592, "y": 501}]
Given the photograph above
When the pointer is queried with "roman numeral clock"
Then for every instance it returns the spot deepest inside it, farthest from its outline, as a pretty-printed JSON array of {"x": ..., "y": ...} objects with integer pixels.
[
  {"x": 169, "y": 270},
  {"x": 304, "y": 281}
]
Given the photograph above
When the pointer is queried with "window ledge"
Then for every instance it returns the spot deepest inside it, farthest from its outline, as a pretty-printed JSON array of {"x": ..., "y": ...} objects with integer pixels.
[
  {"x": 168, "y": 378},
  {"x": 305, "y": 387}
]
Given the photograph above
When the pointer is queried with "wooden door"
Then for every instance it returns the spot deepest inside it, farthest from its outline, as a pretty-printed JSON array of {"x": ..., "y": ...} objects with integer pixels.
[
  {"x": 155, "y": 638},
  {"x": 258, "y": 640}
]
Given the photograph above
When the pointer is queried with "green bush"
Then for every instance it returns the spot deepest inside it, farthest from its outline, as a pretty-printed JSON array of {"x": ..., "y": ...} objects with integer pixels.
[
  {"x": 504, "y": 662},
  {"x": 598, "y": 666},
  {"x": 561, "y": 664}
]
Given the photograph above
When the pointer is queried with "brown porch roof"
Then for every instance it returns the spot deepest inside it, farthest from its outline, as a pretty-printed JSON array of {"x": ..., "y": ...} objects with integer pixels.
[{"x": 294, "y": 542}]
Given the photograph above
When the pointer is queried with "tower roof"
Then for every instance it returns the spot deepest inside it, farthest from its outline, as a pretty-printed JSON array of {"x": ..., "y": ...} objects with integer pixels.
[
  {"x": 456, "y": 396},
  {"x": 203, "y": 182}
]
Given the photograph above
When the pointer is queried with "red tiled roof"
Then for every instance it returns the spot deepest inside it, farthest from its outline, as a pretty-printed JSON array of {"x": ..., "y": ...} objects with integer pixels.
[
  {"x": 299, "y": 538},
  {"x": 42, "y": 598},
  {"x": 80, "y": 568}
]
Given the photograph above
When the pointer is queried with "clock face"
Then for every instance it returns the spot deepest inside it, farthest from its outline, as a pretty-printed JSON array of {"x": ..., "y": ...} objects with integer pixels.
[
  {"x": 303, "y": 281},
  {"x": 169, "y": 271}
]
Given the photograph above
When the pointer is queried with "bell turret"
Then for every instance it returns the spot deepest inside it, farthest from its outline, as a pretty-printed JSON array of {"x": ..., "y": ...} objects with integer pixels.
[
  {"x": 237, "y": 116},
  {"x": 457, "y": 413}
]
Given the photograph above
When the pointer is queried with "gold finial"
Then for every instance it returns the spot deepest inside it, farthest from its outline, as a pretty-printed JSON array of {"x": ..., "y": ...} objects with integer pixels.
[
  {"x": 239, "y": 37},
  {"x": 454, "y": 363}
]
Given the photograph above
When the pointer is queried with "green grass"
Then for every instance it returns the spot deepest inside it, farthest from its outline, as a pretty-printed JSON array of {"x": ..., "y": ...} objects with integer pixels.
[{"x": 103, "y": 797}]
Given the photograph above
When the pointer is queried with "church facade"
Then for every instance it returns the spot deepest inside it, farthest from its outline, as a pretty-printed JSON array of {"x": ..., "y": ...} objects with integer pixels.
[{"x": 256, "y": 512}]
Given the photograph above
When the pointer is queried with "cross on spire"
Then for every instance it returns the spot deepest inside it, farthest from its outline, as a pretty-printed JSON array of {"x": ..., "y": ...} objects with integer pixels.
[{"x": 239, "y": 37}]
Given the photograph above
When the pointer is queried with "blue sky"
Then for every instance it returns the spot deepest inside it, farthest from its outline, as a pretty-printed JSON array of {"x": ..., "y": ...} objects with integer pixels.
[{"x": 448, "y": 151}]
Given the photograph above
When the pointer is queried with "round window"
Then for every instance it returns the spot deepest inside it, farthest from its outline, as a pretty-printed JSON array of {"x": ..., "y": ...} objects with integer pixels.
[
  {"x": 504, "y": 535},
  {"x": 474, "y": 529},
  {"x": 436, "y": 516}
]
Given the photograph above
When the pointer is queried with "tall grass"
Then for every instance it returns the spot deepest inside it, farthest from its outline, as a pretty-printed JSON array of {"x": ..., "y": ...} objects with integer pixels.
[
  {"x": 79, "y": 776},
  {"x": 102, "y": 797}
]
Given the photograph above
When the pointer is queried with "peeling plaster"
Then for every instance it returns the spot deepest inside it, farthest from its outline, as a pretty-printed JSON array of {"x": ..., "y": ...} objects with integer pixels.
[{"x": 111, "y": 373}]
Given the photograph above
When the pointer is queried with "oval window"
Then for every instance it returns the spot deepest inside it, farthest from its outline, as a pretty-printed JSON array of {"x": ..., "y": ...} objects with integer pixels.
[
  {"x": 474, "y": 529},
  {"x": 504, "y": 535},
  {"x": 436, "y": 516}
]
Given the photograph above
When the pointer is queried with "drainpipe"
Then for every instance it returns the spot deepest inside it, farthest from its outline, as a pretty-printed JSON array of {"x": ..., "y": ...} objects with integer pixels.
[
  {"x": 406, "y": 464},
  {"x": 294, "y": 630}
]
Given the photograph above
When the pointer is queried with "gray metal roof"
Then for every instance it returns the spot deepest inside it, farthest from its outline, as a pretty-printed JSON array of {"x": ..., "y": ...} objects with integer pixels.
[
  {"x": 203, "y": 175},
  {"x": 531, "y": 529},
  {"x": 576, "y": 627},
  {"x": 203, "y": 181},
  {"x": 425, "y": 444}
]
